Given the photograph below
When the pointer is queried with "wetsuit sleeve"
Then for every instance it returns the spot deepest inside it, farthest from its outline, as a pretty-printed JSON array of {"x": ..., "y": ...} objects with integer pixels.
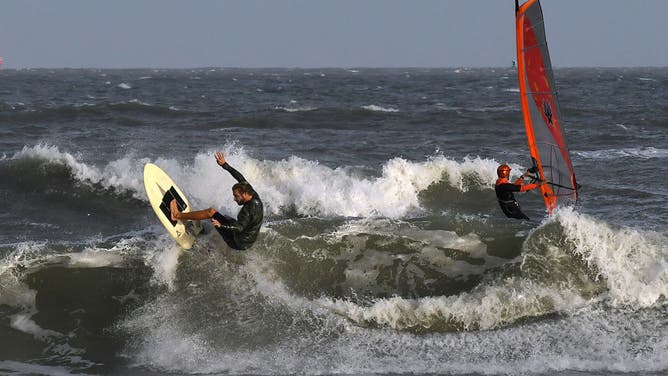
[
  {"x": 525, "y": 187},
  {"x": 243, "y": 219},
  {"x": 223, "y": 219},
  {"x": 232, "y": 225},
  {"x": 235, "y": 174}
]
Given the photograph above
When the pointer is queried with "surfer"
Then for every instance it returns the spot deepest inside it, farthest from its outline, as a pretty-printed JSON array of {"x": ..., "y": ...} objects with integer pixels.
[
  {"x": 504, "y": 191},
  {"x": 238, "y": 233}
]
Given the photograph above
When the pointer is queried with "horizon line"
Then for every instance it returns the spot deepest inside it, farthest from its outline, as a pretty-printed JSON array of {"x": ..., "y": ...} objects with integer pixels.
[{"x": 327, "y": 67}]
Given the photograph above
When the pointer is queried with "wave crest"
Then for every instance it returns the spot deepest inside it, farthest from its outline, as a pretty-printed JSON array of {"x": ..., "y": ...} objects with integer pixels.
[
  {"x": 294, "y": 185},
  {"x": 634, "y": 263}
]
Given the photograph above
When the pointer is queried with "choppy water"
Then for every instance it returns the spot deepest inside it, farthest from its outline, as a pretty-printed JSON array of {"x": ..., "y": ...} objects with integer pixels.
[{"x": 383, "y": 252}]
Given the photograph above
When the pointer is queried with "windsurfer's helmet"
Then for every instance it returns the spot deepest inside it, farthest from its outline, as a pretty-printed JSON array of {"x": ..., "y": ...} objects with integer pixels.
[{"x": 503, "y": 171}]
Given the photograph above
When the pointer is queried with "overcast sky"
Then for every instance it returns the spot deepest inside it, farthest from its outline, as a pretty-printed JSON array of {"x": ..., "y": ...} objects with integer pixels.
[{"x": 322, "y": 33}]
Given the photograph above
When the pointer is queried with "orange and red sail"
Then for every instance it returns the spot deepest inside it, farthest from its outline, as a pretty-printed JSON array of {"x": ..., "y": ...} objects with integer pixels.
[{"x": 540, "y": 108}]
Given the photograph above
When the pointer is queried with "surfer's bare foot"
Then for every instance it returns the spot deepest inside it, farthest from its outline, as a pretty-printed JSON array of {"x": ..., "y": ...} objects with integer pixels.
[{"x": 174, "y": 209}]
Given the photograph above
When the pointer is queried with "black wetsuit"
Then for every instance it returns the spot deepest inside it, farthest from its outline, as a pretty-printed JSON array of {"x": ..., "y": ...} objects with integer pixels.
[
  {"x": 241, "y": 233},
  {"x": 510, "y": 207}
]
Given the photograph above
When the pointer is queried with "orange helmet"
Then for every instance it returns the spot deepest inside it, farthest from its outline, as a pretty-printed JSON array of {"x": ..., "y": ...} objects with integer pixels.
[{"x": 503, "y": 171}]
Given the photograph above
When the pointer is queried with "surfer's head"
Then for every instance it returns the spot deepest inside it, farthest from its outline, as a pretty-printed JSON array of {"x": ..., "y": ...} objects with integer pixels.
[
  {"x": 242, "y": 192},
  {"x": 503, "y": 171}
]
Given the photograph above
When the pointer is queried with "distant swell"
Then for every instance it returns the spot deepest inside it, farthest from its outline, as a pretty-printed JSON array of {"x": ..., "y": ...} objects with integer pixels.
[{"x": 24, "y": 114}]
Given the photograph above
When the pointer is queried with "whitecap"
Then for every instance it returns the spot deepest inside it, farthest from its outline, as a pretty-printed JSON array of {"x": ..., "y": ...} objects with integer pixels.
[
  {"x": 296, "y": 109},
  {"x": 633, "y": 262},
  {"x": 377, "y": 108},
  {"x": 639, "y": 152}
]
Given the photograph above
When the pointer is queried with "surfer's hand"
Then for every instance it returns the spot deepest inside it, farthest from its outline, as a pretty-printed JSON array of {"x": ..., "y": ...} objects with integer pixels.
[
  {"x": 220, "y": 158},
  {"x": 215, "y": 222}
]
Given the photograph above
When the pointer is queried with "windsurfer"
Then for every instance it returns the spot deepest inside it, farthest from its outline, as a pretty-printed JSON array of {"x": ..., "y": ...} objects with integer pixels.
[{"x": 504, "y": 191}]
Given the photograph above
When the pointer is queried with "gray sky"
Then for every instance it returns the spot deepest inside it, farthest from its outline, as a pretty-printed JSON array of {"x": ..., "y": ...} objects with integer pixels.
[{"x": 322, "y": 33}]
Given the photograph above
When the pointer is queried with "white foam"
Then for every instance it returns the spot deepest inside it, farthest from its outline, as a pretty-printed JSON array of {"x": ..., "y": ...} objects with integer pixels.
[
  {"x": 306, "y": 186},
  {"x": 58, "y": 343},
  {"x": 587, "y": 340},
  {"x": 123, "y": 85},
  {"x": 169, "y": 344},
  {"x": 584, "y": 339},
  {"x": 126, "y": 173},
  {"x": 90, "y": 257},
  {"x": 20, "y": 368},
  {"x": 296, "y": 109},
  {"x": 13, "y": 291},
  {"x": 486, "y": 307},
  {"x": 24, "y": 323},
  {"x": 426, "y": 241},
  {"x": 377, "y": 108},
  {"x": 633, "y": 262},
  {"x": 268, "y": 284},
  {"x": 640, "y": 153},
  {"x": 165, "y": 263},
  {"x": 361, "y": 351},
  {"x": 314, "y": 189},
  {"x": 137, "y": 101}
]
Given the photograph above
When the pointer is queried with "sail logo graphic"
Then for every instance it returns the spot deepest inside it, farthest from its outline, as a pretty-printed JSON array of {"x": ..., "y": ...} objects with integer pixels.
[{"x": 547, "y": 111}]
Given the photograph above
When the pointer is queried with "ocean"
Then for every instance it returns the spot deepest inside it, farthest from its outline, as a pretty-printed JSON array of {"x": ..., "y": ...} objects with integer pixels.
[{"x": 383, "y": 250}]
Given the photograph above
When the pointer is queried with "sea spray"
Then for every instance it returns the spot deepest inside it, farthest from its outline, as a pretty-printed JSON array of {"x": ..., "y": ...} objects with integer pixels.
[
  {"x": 14, "y": 292},
  {"x": 633, "y": 262},
  {"x": 164, "y": 262}
]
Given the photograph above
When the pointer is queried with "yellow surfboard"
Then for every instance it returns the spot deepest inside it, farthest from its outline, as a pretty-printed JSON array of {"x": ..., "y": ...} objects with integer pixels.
[{"x": 161, "y": 190}]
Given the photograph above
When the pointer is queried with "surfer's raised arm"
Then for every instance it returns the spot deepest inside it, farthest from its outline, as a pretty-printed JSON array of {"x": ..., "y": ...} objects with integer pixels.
[{"x": 220, "y": 159}]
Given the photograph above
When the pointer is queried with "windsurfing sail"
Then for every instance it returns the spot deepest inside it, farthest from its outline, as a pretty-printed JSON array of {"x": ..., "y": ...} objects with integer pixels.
[{"x": 540, "y": 108}]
